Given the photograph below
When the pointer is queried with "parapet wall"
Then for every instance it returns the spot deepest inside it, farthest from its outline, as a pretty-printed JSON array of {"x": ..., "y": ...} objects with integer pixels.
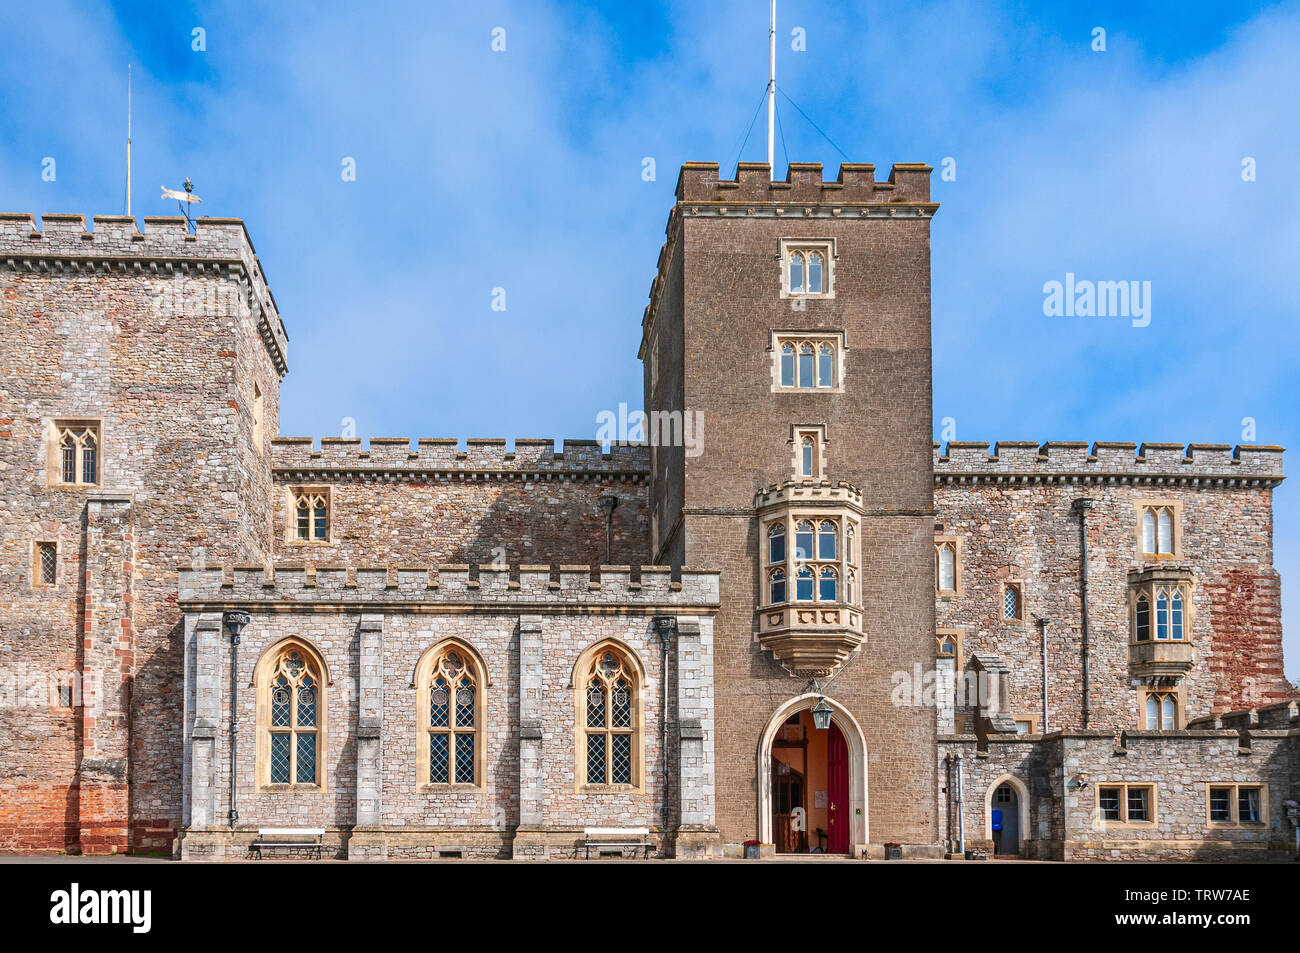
[
  {"x": 803, "y": 184},
  {"x": 442, "y": 455},
  {"x": 1249, "y": 465},
  {"x": 219, "y": 246},
  {"x": 293, "y": 587}
]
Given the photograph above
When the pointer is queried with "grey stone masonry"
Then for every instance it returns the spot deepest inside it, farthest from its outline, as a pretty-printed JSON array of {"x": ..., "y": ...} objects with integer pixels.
[{"x": 1070, "y": 461}]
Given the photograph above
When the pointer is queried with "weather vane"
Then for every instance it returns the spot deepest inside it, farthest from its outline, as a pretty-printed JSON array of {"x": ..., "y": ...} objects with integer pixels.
[{"x": 187, "y": 197}]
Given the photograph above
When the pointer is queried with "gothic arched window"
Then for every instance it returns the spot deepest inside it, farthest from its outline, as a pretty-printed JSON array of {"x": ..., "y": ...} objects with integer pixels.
[
  {"x": 609, "y": 719},
  {"x": 292, "y": 717},
  {"x": 450, "y": 714}
]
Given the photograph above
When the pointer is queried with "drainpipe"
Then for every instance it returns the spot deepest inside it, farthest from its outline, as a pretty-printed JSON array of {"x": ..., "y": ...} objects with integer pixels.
[
  {"x": 1042, "y": 625},
  {"x": 1081, "y": 506},
  {"x": 961, "y": 808},
  {"x": 666, "y": 625},
  {"x": 608, "y": 503},
  {"x": 235, "y": 621}
]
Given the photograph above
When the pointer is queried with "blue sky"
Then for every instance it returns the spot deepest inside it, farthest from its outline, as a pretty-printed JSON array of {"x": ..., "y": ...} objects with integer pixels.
[{"x": 522, "y": 170}]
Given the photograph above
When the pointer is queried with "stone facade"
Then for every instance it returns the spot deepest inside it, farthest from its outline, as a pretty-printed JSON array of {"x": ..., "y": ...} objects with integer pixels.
[{"x": 133, "y": 721}]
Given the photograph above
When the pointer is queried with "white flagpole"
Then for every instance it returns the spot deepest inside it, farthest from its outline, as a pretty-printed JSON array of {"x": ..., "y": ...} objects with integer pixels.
[
  {"x": 128, "y": 139},
  {"x": 771, "y": 94}
]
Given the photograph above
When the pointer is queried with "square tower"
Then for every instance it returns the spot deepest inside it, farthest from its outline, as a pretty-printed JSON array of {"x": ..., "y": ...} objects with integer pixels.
[{"x": 788, "y": 379}]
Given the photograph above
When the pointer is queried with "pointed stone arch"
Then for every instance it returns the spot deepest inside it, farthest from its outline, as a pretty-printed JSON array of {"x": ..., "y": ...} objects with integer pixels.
[
  {"x": 1022, "y": 806},
  {"x": 857, "y": 746}
]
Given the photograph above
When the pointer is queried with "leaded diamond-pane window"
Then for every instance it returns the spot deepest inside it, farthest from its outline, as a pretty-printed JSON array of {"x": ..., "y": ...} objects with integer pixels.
[
  {"x": 294, "y": 717},
  {"x": 453, "y": 717},
  {"x": 280, "y": 758},
  {"x": 306, "y": 769},
  {"x": 439, "y": 759},
  {"x": 595, "y": 759},
  {"x": 620, "y": 763},
  {"x": 610, "y": 720}
]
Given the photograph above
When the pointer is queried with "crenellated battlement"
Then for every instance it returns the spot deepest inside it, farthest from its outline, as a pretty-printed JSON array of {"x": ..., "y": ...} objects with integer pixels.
[
  {"x": 856, "y": 184},
  {"x": 340, "y": 456},
  {"x": 1073, "y": 461},
  {"x": 219, "y": 247},
  {"x": 292, "y": 588}
]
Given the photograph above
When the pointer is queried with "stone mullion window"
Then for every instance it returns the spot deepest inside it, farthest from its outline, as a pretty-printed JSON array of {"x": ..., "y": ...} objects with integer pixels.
[
  {"x": 309, "y": 514},
  {"x": 1236, "y": 805},
  {"x": 1160, "y": 613},
  {"x": 291, "y": 718},
  {"x": 78, "y": 462},
  {"x": 609, "y": 712},
  {"x": 449, "y": 749}
]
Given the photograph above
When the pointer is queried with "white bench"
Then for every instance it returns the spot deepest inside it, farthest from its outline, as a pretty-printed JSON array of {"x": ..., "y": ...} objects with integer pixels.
[
  {"x": 308, "y": 838},
  {"x": 622, "y": 838}
]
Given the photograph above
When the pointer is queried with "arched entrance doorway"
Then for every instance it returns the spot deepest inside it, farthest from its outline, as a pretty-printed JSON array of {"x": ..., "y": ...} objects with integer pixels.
[
  {"x": 1006, "y": 816},
  {"x": 812, "y": 782}
]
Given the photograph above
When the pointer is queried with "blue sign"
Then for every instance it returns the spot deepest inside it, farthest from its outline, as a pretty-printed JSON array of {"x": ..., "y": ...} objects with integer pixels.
[{"x": 997, "y": 819}]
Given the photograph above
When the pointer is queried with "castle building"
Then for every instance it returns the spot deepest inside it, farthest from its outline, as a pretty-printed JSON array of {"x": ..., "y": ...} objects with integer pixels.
[{"x": 783, "y": 620}]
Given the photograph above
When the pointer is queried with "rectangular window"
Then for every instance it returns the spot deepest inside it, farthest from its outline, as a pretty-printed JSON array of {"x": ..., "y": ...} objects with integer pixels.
[
  {"x": 1127, "y": 803},
  {"x": 309, "y": 514},
  {"x": 1109, "y": 802},
  {"x": 1237, "y": 805},
  {"x": 47, "y": 563},
  {"x": 807, "y": 268},
  {"x": 1158, "y": 529},
  {"x": 947, "y": 565},
  {"x": 807, "y": 360},
  {"x": 76, "y": 443},
  {"x": 257, "y": 418}
]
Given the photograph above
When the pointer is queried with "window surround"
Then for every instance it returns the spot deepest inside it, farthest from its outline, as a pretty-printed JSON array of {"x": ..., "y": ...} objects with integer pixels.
[
  {"x": 258, "y": 411},
  {"x": 1030, "y": 720},
  {"x": 266, "y": 667},
  {"x": 816, "y": 339},
  {"x": 954, "y": 542},
  {"x": 817, "y": 434},
  {"x": 1175, "y": 510},
  {"x": 430, "y": 661},
  {"x": 1175, "y": 693},
  {"x": 1234, "y": 808},
  {"x": 78, "y": 428},
  {"x": 791, "y": 247},
  {"x": 1150, "y": 587},
  {"x": 292, "y": 495},
  {"x": 583, "y": 670},
  {"x": 1124, "y": 787},
  {"x": 1019, "y": 589},
  {"x": 943, "y": 635},
  {"x": 38, "y": 564}
]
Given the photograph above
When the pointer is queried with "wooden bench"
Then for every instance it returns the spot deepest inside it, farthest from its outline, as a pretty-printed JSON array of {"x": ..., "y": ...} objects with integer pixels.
[
  {"x": 305, "y": 838},
  {"x": 620, "y": 838}
]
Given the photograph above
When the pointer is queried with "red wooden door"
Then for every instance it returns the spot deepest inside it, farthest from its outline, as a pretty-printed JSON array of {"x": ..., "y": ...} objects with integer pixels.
[{"x": 837, "y": 783}]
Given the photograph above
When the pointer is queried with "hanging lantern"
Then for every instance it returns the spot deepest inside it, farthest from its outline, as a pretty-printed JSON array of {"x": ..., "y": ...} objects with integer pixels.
[{"x": 821, "y": 715}]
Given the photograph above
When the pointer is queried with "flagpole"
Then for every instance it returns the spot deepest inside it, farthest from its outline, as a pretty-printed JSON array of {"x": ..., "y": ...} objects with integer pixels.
[{"x": 771, "y": 94}]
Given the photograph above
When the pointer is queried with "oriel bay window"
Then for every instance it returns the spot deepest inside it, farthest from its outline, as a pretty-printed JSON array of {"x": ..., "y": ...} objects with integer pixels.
[
  {"x": 810, "y": 553},
  {"x": 824, "y": 555},
  {"x": 1160, "y": 614}
]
